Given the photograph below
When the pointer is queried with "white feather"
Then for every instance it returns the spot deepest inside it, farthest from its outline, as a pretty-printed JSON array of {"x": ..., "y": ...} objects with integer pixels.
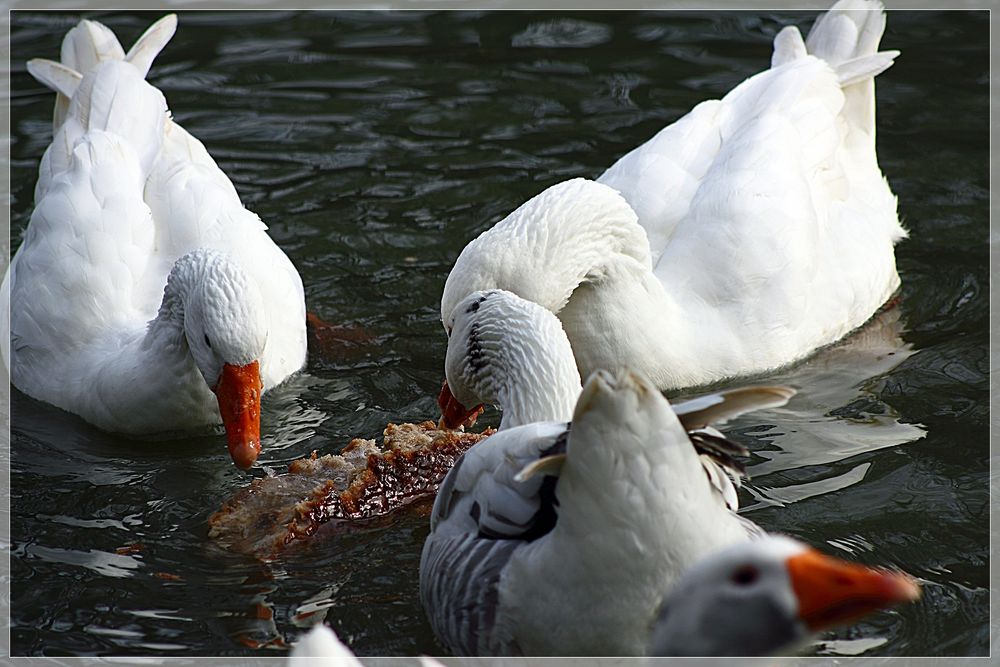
[
  {"x": 634, "y": 508},
  {"x": 754, "y": 230},
  {"x": 125, "y": 197}
]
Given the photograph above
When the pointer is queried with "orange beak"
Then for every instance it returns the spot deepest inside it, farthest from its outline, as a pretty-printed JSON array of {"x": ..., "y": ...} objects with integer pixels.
[
  {"x": 453, "y": 413},
  {"x": 831, "y": 591},
  {"x": 239, "y": 391}
]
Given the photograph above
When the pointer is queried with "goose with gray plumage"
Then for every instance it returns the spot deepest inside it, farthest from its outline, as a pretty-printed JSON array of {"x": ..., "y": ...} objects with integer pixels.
[
  {"x": 542, "y": 520},
  {"x": 511, "y": 352},
  {"x": 769, "y": 596}
]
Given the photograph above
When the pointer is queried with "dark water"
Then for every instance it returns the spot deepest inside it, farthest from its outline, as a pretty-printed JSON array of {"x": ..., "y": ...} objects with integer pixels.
[{"x": 375, "y": 145}]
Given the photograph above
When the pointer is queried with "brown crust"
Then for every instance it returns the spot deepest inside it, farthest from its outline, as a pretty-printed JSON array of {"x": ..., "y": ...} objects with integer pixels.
[{"x": 362, "y": 482}]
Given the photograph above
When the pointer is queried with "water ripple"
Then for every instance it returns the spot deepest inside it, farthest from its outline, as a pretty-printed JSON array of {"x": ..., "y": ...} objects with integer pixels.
[{"x": 375, "y": 145}]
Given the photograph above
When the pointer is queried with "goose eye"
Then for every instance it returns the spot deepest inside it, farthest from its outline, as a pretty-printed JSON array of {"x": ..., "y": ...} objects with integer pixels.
[
  {"x": 208, "y": 342},
  {"x": 745, "y": 576}
]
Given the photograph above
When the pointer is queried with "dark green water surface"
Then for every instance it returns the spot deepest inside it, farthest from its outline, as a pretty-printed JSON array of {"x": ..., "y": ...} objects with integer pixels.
[{"x": 375, "y": 145}]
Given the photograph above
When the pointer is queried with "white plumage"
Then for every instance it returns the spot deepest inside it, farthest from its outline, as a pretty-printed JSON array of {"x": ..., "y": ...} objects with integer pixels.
[
  {"x": 512, "y": 548},
  {"x": 141, "y": 276},
  {"x": 321, "y": 647},
  {"x": 512, "y": 352},
  {"x": 754, "y": 598},
  {"x": 752, "y": 231},
  {"x": 602, "y": 537},
  {"x": 766, "y": 597}
]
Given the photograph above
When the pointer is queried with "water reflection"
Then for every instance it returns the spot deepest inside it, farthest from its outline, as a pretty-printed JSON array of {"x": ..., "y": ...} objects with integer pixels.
[
  {"x": 837, "y": 414},
  {"x": 375, "y": 145},
  {"x": 106, "y": 564}
]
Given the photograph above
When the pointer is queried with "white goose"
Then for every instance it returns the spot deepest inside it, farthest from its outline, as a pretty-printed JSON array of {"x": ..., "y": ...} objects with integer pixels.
[
  {"x": 144, "y": 297},
  {"x": 739, "y": 239},
  {"x": 757, "y": 598},
  {"x": 513, "y": 353},
  {"x": 512, "y": 546},
  {"x": 767, "y": 597}
]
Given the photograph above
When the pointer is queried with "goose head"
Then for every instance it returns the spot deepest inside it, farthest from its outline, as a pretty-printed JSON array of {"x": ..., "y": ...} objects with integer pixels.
[
  {"x": 226, "y": 331},
  {"x": 507, "y": 351},
  {"x": 765, "y": 596}
]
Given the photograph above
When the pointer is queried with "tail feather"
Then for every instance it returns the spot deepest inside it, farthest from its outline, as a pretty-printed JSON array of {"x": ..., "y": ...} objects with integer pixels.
[
  {"x": 149, "y": 45},
  {"x": 56, "y": 76},
  {"x": 862, "y": 69},
  {"x": 847, "y": 38},
  {"x": 788, "y": 46},
  {"x": 89, "y": 43},
  {"x": 851, "y": 29},
  {"x": 84, "y": 46}
]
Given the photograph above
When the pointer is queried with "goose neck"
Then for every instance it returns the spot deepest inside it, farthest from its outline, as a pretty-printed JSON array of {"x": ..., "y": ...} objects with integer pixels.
[{"x": 548, "y": 246}]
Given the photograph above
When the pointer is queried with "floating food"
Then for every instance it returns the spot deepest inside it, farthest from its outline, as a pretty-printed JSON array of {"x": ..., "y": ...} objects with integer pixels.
[{"x": 364, "y": 481}]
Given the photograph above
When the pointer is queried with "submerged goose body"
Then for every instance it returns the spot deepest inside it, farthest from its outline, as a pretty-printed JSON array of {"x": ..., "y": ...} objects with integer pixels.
[
  {"x": 754, "y": 230},
  {"x": 144, "y": 297},
  {"x": 543, "y": 520}
]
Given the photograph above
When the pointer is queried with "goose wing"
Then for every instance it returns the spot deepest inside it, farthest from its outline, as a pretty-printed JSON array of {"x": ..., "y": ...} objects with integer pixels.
[
  {"x": 480, "y": 517},
  {"x": 90, "y": 234},
  {"x": 718, "y": 453}
]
